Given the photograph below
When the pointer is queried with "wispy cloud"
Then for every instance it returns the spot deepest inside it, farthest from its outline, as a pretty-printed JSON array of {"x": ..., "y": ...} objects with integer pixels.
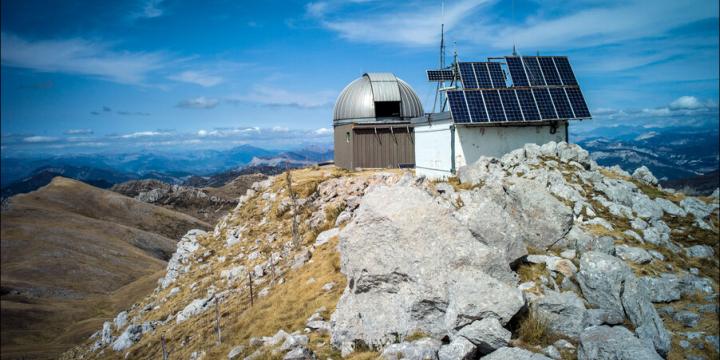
[
  {"x": 40, "y": 139},
  {"x": 415, "y": 24},
  {"x": 201, "y": 78},
  {"x": 685, "y": 111},
  {"x": 145, "y": 134},
  {"x": 151, "y": 9},
  {"x": 603, "y": 23},
  {"x": 199, "y": 103},
  {"x": 79, "y": 56},
  {"x": 78, "y": 132},
  {"x": 277, "y": 97}
]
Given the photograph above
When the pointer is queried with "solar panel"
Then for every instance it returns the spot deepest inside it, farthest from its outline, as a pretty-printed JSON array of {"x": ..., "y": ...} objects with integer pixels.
[
  {"x": 566, "y": 74},
  {"x": 493, "y": 105},
  {"x": 476, "y": 106},
  {"x": 496, "y": 75},
  {"x": 517, "y": 72},
  {"x": 510, "y": 104},
  {"x": 562, "y": 105},
  {"x": 482, "y": 75},
  {"x": 532, "y": 68},
  {"x": 577, "y": 101},
  {"x": 527, "y": 104},
  {"x": 547, "y": 65},
  {"x": 458, "y": 107},
  {"x": 544, "y": 103},
  {"x": 440, "y": 75},
  {"x": 467, "y": 75}
]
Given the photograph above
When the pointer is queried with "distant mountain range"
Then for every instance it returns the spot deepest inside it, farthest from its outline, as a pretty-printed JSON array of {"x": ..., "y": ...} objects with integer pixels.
[
  {"x": 200, "y": 168},
  {"x": 674, "y": 155}
]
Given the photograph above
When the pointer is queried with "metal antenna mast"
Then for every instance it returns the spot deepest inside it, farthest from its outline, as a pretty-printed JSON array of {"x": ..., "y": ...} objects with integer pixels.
[{"x": 441, "y": 84}]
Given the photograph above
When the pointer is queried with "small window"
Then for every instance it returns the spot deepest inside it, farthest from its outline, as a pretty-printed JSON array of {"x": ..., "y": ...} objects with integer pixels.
[
  {"x": 347, "y": 137},
  {"x": 387, "y": 109}
]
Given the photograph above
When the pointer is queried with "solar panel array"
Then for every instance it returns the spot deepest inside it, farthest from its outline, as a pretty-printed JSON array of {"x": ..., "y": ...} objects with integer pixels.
[
  {"x": 440, "y": 75},
  {"x": 544, "y": 88},
  {"x": 482, "y": 75}
]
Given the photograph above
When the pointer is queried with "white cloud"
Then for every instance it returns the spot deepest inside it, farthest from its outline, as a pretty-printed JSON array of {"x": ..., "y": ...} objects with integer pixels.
[
  {"x": 323, "y": 131},
  {"x": 280, "y": 129},
  {"x": 663, "y": 111},
  {"x": 151, "y": 9},
  {"x": 198, "y": 78},
  {"x": 413, "y": 26},
  {"x": 78, "y": 132},
  {"x": 271, "y": 96},
  {"x": 604, "y": 24},
  {"x": 686, "y": 102},
  {"x": 40, "y": 139},
  {"x": 143, "y": 134},
  {"x": 316, "y": 9},
  {"x": 199, "y": 103},
  {"x": 79, "y": 56}
]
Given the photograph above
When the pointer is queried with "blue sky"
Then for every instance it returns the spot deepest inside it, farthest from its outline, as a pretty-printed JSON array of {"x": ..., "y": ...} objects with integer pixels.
[{"x": 89, "y": 76}]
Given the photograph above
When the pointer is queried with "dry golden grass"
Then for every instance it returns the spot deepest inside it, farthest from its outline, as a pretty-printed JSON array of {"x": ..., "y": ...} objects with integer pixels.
[
  {"x": 287, "y": 305},
  {"x": 454, "y": 181}
]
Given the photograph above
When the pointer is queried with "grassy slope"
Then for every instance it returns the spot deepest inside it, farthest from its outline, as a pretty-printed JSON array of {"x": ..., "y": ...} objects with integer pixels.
[
  {"x": 289, "y": 302},
  {"x": 72, "y": 255}
]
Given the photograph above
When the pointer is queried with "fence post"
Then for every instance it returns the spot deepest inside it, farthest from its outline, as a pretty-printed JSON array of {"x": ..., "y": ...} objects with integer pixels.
[
  {"x": 164, "y": 349},
  {"x": 217, "y": 320},
  {"x": 251, "y": 289}
]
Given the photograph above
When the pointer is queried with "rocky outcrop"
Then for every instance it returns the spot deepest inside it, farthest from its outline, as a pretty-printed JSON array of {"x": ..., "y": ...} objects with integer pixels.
[
  {"x": 608, "y": 283},
  {"x": 617, "y": 342},
  {"x": 389, "y": 253}
]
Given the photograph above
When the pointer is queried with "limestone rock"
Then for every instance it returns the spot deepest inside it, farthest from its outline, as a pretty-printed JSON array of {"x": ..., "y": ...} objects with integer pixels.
[
  {"x": 514, "y": 353},
  {"x": 176, "y": 265},
  {"x": 601, "y": 279},
  {"x": 235, "y": 352},
  {"x": 564, "y": 312},
  {"x": 665, "y": 288},
  {"x": 325, "y": 236},
  {"x": 634, "y": 254},
  {"x": 300, "y": 353},
  {"x": 643, "y": 174},
  {"x": 458, "y": 349},
  {"x": 700, "y": 251},
  {"x": 608, "y": 283},
  {"x": 487, "y": 335},
  {"x": 391, "y": 262},
  {"x": 423, "y": 349},
  {"x": 604, "y": 342},
  {"x": 603, "y": 244},
  {"x": 649, "y": 326}
]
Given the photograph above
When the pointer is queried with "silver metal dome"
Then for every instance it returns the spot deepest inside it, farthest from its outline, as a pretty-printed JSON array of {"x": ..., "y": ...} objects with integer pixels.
[{"x": 356, "y": 102}]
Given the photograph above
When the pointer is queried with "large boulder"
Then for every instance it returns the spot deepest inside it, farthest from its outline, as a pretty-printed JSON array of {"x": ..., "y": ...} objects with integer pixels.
[
  {"x": 643, "y": 174},
  {"x": 487, "y": 334},
  {"x": 608, "y": 283},
  {"x": 649, "y": 326},
  {"x": 564, "y": 312},
  {"x": 489, "y": 214},
  {"x": 390, "y": 253},
  {"x": 601, "y": 278},
  {"x": 617, "y": 342}
]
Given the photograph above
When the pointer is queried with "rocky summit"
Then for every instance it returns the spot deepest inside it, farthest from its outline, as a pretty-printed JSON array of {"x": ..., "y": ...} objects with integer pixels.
[{"x": 541, "y": 254}]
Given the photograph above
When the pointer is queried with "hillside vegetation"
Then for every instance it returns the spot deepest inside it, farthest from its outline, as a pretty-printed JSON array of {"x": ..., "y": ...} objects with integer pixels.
[{"x": 73, "y": 254}]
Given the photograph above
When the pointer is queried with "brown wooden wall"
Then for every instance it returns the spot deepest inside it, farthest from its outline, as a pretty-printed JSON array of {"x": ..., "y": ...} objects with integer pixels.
[
  {"x": 343, "y": 149},
  {"x": 383, "y": 148}
]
